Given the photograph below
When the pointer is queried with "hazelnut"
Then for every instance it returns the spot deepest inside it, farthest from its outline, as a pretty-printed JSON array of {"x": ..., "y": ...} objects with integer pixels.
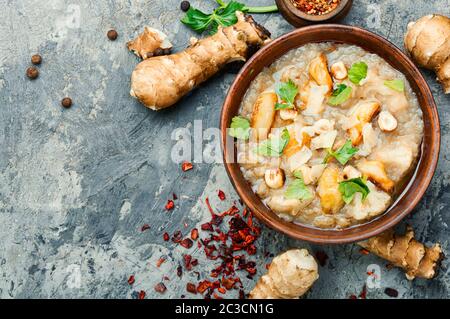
[
  {"x": 288, "y": 114},
  {"x": 338, "y": 70},
  {"x": 386, "y": 121},
  {"x": 274, "y": 178}
]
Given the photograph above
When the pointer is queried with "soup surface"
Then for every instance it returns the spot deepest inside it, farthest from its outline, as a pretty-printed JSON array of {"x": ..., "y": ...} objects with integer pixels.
[{"x": 327, "y": 135}]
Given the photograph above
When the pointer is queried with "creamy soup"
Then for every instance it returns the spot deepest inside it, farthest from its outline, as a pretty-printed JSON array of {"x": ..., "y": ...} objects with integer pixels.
[{"x": 327, "y": 135}]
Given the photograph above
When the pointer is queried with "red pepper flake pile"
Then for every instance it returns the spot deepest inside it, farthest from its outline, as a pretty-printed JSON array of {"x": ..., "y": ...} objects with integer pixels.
[
  {"x": 161, "y": 288},
  {"x": 391, "y": 292},
  {"x": 316, "y": 7},
  {"x": 131, "y": 280},
  {"x": 170, "y": 205},
  {"x": 145, "y": 227},
  {"x": 221, "y": 195},
  {"x": 141, "y": 294},
  {"x": 186, "y": 166}
]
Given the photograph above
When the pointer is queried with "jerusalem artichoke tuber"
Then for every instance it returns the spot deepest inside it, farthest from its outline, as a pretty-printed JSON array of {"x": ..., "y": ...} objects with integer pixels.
[
  {"x": 160, "y": 82},
  {"x": 428, "y": 42},
  {"x": 405, "y": 252},
  {"x": 290, "y": 276}
]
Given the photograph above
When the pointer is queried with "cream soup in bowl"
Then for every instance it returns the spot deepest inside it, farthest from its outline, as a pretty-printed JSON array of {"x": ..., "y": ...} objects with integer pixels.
[{"x": 327, "y": 134}]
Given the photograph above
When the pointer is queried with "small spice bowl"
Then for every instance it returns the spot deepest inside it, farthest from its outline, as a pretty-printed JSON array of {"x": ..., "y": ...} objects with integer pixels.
[{"x": 298, "y": 18}]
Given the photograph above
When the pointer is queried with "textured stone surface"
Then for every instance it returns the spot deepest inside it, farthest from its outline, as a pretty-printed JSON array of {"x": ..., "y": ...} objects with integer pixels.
[{"x": 76, "y": 185}]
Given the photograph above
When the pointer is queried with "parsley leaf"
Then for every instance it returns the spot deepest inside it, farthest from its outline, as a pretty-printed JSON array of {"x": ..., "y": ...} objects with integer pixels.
[
  {"x": 274, "y": 146},
  {"x": 343, "y": 154},
  {"x": 297, "y": 189},
  {"x": 340, "y": 95},
  {"x": 349, "y": 188},
  {"x": 358, "y": 72},
  {"x": 396, "y": 85},
  {"x": 286, "y": 91},
  {"x": 239, "y": 128},
  {"x": 225, "y": 15}
]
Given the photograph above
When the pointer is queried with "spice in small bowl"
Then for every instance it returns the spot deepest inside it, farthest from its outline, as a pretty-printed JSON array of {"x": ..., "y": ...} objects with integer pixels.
[{"x": 316, "y": 7}]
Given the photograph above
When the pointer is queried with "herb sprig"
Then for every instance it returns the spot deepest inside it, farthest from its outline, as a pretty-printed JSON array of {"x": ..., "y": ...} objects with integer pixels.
[
  {"x": 239, "y": 128},
  {"x": 349, "y": 188},
  {"x": 340, "y": 95},
  {"x": 274, "y": 146},
  {"x": 286, "y": 91},
  {"x": 297, "y": 189},
  {"x": 343, "y": 154}
]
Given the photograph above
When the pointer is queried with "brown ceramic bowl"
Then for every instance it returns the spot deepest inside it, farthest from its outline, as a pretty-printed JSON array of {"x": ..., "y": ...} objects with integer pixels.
[
  {"x": 418, "y": 184},
  {"x": 298, "y": 18}
]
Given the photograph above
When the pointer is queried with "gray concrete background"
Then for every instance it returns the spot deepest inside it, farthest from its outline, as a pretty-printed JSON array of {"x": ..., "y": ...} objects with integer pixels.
[{"x": 76, "y": 185}]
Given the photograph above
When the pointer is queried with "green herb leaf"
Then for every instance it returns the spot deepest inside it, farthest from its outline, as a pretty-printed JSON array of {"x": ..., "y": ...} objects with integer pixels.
[
  {"x": 286, "y": 91},
  {"x": 297, "y": 189},
  {"x": 340, "y": 95},
  {"x": 274, "y": 146},
  {"x": 349, "y": 188},
  {"x": 358, "y": 72},
  {"x": 223, "y": 16},
  {"x": 396, "y": 85},
  {"x": 239, "y": 128},
  {"x": 343, "y": 154}
]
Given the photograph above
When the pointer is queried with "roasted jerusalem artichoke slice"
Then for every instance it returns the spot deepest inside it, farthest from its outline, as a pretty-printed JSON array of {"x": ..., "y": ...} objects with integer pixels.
[
  {"x": 363, "y": 113},
  {"x": 376, "y": 173},
  {"x": 318, "y": 70},
  {"x": 263, "y": 114},
  {"x": 328, "y": 190}
]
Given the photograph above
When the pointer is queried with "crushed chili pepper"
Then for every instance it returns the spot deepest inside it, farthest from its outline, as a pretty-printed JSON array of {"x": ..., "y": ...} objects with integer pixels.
[
  {"x": 363, "y": 293},
  {"x": 364, "y": 251},
  {"x": 190, "y": 287},
  {"x": 321, "y": 257},
  {"x": 352, "y": 297},
  {"x": 194, "y": 234},
  {"x": 186, "y": 243},
  {"x": 186, "y": 166},
  {"x": 391, "y": 292},
  {"x": 166, "y": 237},
  {"x": 316, "y": 7},
  {"x": 174, "y": 196},
  {"x": 160, "y": 287},
  {"x": 177, "y": 236},
  {"x": 145, "y": 227},
  {"x": 170, "y": 205},
  {"x": 179, "y": 271},
  {"x": 160, "y": 261},
  {"x": 141, "y": 294},
  {"x": 131, "y": 280},
  {"x": 221, "y": 195}
]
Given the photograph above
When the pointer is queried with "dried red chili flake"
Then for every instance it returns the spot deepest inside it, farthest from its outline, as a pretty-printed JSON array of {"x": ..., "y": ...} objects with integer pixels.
[
  {"x": 186, "y": 243},
  {"x": 203, "y": 285},
  {"x": 363, "y": 293},
  {"x": 166, "y": 278},
  {"x": 364, "y": 251},
  {"x": 174, "y": 196},
  {"x": 187, "y": 261},
  {"x": 194, "y": 262},
  {"x": 251, "y": 250},
  {"x": 145, "y": 227},
  {"x": 160, "y": 287},
  {"x": 216, "y": 296},
  {"x": 206, "y": 227},
  {"x": 141, "y": 294},
  {"x": 194, "y": 234},
  {"x": 241, "y": 294},
  {"x": 177, "y": 236},
  {"x": 170, "y": 205},
  {"x": 186, "y": 166},
  {"x": 391, "y": 292},
  {"x": 267, "y": 266},
  {"x": 160, "y": 261},
  {"x": 166, "y": 237},
  {"x": 221, "y": 195},
  {"x": 179, "y": 271},
  {"x": 131, "y": 280},
  {"x": 190, "y": 287},
  {"x": 231, "y": 211},
  {"x": 352, "y": 297},
  {"x": 227, "y": 283},
  {"x": 321, "y": 257}
]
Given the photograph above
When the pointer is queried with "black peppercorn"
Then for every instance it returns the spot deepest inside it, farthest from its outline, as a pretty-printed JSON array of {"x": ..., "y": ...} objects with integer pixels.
[
  {"x": 32, "y": 73},
  {"x": 185, "y": 5},
  {"x": 66, "y": 102},
  {"x": 36, "y": 59},
  {"x": 112, "y": 35}
]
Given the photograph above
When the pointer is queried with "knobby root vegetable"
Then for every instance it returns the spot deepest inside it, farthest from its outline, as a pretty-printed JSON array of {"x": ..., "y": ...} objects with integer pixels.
[
  {"x": 428, "y": 42},
  {"x": 160, "y": 82},
  {"x": 290, "y": 275},
  {"x": 405, "y": 252},
  {"x": 148, "y": 42}
]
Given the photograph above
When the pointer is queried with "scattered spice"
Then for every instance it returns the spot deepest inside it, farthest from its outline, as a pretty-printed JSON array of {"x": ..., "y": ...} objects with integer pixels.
[
  {"x": 186, "y": 166},
  {"x": 186, "y": 243},
  {"x": 174, "y": 196},
  {"x": 363, "y": 293},
  {"x": 190, "y": 287},
  {"x": 316, "y": 7},
  {"x": 221, "y": 195},
  {"x": 194, "y": 234},
  {"x": 160, "y": 261},
  {"x": 32, "y": 73},
  {"x": 112, "y": 35},
  {"x": 185, "y": 5},
  {"x": 170, "y": 205},
  {"x": 179, "y": 271},
  {"x": 145, "y": 227},
  {"x": 321, "y": 257},
  {"x": 131, "y": 280},
  {"x": 177, "y": 236},
  {"x": 66, "y": 102},
  {"x": 36, "y": 59},
  {"x": 352, "y": 297},
  {"x": 166, "y": 237},
  {"x": 364, "y": 251},
  {"x": 161, "y": 288},
  {"x": 141, "y": 294},
  {"x": 391, "y": 292}
]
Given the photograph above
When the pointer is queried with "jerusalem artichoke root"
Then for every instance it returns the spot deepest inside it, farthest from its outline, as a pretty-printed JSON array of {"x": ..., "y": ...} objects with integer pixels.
[
  {"x": 160, "y": 82},
  {"x": 290, "y": 276},
  {"x": 428, "y": 42},
  {"x": 405, "y": 252}
]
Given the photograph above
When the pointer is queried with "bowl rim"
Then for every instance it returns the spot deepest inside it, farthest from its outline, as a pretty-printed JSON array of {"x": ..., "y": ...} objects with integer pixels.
[
  {"x": 347, "y": 235},
  {"x": 315, "y": 18}
]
